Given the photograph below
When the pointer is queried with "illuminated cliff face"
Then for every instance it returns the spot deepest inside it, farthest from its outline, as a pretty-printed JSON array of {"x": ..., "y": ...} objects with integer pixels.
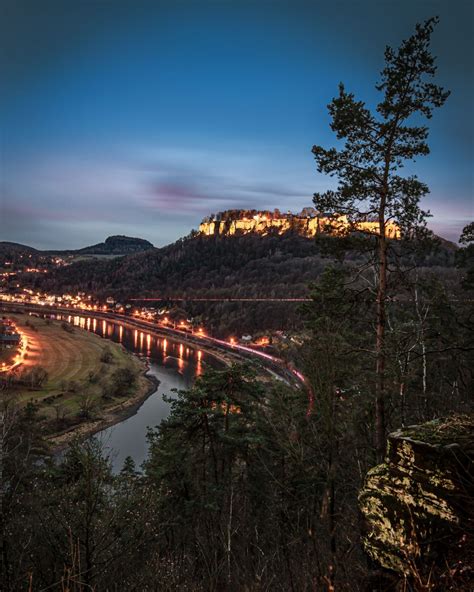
[{"x": 244, "y": 222}]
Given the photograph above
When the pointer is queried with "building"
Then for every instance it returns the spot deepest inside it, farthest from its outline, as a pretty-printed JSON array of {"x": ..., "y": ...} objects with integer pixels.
[
  {"x": 307, "y": 223},
  {"x": 9, "y": 338}
]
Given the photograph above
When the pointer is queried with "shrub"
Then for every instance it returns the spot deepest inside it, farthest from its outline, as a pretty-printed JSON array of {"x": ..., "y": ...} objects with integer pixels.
[
  {"x": 72, "y": 386},
  {"x": 87, "y": 406},
  {"x": 34, "y": 377},
  {"x": 122, "y": 380},
  {"x": 93, "y": 377},
  {"x": 106, "y": 356}
]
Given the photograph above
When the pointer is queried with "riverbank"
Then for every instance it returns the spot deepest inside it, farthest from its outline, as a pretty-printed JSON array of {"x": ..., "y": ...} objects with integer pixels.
[
  {"x": 88, "y": 383},
  {"x": 110, "y": 417}
]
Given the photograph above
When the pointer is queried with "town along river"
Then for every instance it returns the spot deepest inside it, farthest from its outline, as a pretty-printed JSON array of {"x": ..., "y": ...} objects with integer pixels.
[{"x": 175, "y": 365}]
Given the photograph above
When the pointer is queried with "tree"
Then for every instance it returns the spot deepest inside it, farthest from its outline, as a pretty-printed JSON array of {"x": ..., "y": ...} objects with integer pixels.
[
  {"x": 67, "y": 327},
  {"x": 375, "y": 147},
  {"x": 21, "y": 447},
  {"x": 122, "y": 380},
  {"x": 333, "y": 359},
  {"x": 106, "y": 356},
  {"x": 87, "y": 405},
  {"x": 34, "y": 376},
  {"x": 202, "y": 460},
  {"x": 465, "y": 255}
]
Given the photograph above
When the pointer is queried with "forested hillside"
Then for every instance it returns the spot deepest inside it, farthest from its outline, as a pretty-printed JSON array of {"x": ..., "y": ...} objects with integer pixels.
[
  {"x": 249, "y": 266},
  {"x": 240, "y": 266}
]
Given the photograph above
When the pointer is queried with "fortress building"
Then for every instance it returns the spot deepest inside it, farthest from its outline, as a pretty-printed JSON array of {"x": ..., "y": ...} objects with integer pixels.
[{"x": 307, "y": 223}]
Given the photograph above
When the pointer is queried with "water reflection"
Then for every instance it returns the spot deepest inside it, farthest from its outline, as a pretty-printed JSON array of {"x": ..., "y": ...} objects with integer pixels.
[{"x": 175, "y": 365}]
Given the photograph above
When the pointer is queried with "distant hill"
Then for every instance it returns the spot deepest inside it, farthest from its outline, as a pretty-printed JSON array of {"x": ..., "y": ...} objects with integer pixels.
[
  {"x": 14, "y": 256},
  {"x": 119, "y": 244},
  {"x": 13, "y": 249},
  {"x": 113, "y": 245}
]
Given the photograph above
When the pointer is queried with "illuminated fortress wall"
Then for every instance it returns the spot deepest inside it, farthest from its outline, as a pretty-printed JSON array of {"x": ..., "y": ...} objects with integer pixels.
[{"x": 307, "y": 224}]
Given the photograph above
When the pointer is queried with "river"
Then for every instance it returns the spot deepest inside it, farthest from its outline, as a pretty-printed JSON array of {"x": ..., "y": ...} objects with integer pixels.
[{"x": 176, "y": 365}]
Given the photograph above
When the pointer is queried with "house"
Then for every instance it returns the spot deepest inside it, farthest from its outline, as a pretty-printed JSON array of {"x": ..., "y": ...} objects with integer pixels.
[
  {"x": 8, "y": 340},
  {"x": 8, "y": 336}
]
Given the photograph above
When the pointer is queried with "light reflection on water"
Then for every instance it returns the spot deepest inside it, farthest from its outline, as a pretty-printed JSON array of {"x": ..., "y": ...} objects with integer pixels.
[{"x": 174, "y": 364}]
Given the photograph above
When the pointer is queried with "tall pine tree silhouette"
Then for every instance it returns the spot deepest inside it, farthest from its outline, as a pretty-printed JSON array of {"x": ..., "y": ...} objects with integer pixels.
[{"x": 376, "y": 144}]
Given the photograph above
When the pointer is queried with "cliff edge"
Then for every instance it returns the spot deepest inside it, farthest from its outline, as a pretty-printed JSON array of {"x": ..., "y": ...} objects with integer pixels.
[
  {"x": 418, "y": 506},
  {"x": 307, "y": 223}
]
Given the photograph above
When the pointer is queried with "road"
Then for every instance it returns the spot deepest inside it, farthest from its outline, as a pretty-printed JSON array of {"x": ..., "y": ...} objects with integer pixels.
[{"x": 222, "y": 299}]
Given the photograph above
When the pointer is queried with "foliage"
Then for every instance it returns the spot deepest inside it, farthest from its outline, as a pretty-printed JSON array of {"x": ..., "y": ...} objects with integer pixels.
[
  {"x": 122, "y": 381},
  {"x": 465, "y": 255},
  {"x": 106, "y": 356},
  {"x": 32, "y": 376},
  {"x": 376, "y": 146},
  {"x": 67, "y": 327},
  {"x": 249, "y": 266}
]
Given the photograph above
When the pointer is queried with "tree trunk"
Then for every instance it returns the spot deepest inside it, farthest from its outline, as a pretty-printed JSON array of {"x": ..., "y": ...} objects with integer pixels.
[
  {"x": 380, "y": 346},
  {"x": 421, "y": 319}
]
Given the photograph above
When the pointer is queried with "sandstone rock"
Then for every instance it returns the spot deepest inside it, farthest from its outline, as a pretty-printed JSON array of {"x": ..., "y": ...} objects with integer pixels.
[{"x": 418, "y": 505}]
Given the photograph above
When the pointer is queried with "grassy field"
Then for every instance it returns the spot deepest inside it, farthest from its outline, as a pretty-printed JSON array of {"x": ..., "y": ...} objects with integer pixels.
[{"x": 75, "y": 370}]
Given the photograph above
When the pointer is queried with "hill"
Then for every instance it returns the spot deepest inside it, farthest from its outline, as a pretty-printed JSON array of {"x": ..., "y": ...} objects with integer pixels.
[
  {"x": 15, "y": 248},
  {"x": 113, "y": 245},
  {"x": 239, "y": 266},
  {"x": 16, "y": 255},
  {"x": 249, "y": 265}
]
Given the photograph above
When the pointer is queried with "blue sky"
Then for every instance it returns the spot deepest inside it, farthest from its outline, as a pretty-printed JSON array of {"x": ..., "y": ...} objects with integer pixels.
[{"x": 139, "y": 118}]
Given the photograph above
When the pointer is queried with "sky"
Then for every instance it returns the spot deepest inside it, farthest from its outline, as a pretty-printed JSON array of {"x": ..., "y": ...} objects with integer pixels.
[{"x": 141, "y": 117}]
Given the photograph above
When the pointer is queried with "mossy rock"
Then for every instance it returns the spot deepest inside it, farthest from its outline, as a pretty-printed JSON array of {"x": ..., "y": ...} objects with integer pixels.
[{"x": 420, "y": 500}]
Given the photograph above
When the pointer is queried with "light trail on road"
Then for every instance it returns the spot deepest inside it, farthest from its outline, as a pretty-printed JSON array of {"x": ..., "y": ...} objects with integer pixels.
[
  {"x": 195, "y": 339},
  {"x": 230, "y": 299}
]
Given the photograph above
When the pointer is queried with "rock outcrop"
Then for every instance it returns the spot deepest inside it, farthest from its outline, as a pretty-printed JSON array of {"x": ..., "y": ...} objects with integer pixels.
[
  {"x": 418, "y": 505},
  {"x": 307, "y": 223}
]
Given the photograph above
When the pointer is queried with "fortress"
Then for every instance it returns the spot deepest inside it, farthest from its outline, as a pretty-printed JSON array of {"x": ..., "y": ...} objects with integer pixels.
[{"x": 307, "y": 223}]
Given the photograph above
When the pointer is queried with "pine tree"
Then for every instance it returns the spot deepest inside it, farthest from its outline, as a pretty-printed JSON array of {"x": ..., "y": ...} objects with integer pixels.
[{"x": 376, "y": 144}]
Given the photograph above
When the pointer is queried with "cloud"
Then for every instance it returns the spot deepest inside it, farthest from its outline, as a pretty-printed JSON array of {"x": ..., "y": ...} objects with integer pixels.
[
  {"x": 217, "y": 181},
  {"x": 158, "y": 193}
]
